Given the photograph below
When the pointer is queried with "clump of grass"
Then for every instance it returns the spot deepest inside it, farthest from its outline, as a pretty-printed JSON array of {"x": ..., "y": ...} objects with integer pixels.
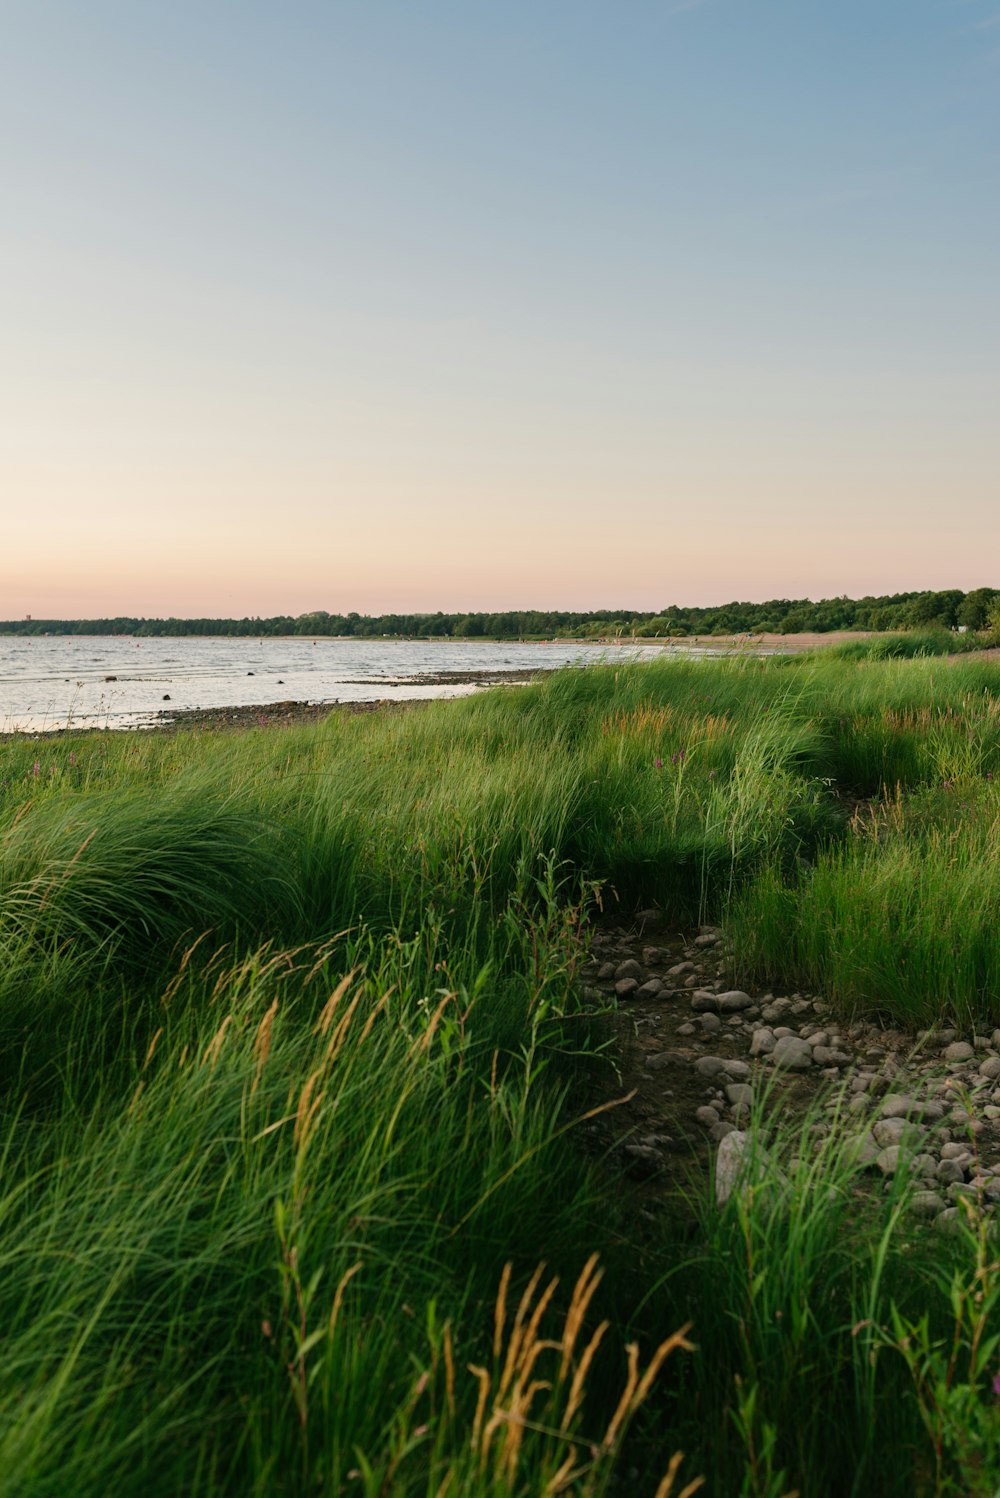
[{"x": 898, "y": 922}]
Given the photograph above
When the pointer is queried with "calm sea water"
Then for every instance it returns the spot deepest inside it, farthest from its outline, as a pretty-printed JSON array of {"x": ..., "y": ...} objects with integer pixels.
[{"x": 119, "y": 682}]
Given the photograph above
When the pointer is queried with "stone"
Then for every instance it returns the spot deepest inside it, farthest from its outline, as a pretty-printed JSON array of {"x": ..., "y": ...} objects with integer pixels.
[
  {"x": 792, "y": 1053},
  {"x": 762, "y": 1043},
  {"x": 733, "y": 1001},
  {"x": 927, "y": 1204},
  {"x": 738, "y": 1070},
  {"x": 708, "y": 1066},
  {"x": 628, "y": 969},
  {"x": 739, "y": 1094},
  {"x": 605, "y": 971},
  {"x": 688, "y": 1029},
  {"x": 867, "y": 1151},
  {"x": 706, "y": 1116},
  {"x": 888, "y": 1159},
  {"x": 679, "y": 969},
  {"x": 649, "y": 990},
  {"x": 902, "y": 1131},
  {"x": 899, "y": 1105},
  {"x": 660, "y": 1060},
  {"x": 708, "y": 939},
  {"x": 721, "y": 1131},
  {"x": 959, "y": 1050},
  {"x": 736, "y": 1159},
  {"x": 709, "y": 1022},
  {"x": 626, "y": 987},
  {"x": 990, "y": 1067},
  {"x": 704, "y": 1002},
  {"x": 825, "y": 1055}
]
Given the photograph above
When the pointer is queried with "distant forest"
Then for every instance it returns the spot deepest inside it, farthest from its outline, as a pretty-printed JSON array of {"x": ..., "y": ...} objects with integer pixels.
[{"x": 950, "y": 609}]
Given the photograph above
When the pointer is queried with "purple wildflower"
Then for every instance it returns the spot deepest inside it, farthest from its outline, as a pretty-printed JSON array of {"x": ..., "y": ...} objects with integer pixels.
[
  {"x": 658, "y": 763},
  {"x": 36, "y": 769}
]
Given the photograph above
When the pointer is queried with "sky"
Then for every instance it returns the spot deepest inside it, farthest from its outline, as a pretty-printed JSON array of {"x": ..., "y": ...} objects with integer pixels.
[{"x": 413, "y": 305}]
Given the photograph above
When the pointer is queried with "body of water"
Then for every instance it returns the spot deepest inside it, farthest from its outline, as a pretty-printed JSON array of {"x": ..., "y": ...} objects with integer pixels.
[{"x": 116, "y": 681}]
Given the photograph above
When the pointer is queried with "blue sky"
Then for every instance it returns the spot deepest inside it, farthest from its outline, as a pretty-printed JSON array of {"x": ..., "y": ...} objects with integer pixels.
[{"x": 466, "y": 305}]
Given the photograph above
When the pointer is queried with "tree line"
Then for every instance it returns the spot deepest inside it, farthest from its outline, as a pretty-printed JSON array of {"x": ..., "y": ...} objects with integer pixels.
[{"x": 949, "y": 609}]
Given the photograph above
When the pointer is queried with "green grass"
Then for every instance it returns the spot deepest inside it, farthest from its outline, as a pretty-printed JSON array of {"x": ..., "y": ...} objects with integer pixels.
[{"x": 254, "y": 1235}]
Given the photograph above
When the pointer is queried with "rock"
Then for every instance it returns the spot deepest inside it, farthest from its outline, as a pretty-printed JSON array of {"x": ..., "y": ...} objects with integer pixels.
[
  {"x": 959, "y": 1050},
  {"x": 890, "y": 1131},
  {"x": 762, "y": 1043},
  {"x": 709, "y": 1022},
  {"x": 628, "y": 969},
  {"x": 925, "y": 1165},
  {"x": 867, "y": 1151},
  {"x": 739, "y": 1093},
  {"x": 706, "y": 1116},
  {"x": 688, "y": 1029},
  {"x": 825, "y": 1055},
  {"x": 733, "y": 1001},
  {"x": 927, "y": 1203},
  {"x": 899, "y": 1105},
  {"x": 704, "y": 1002},
  {"x": 605, "y": 971},
  {"x": 660, "y": 1060},
  {"x": 708, "y": 1066},
  {"x": 792, "y": 1053},
  {"x": 990, "y": 1067},
  {"x": 626, "y": 987},
  {"x": 649, "y": 990},
  {"x": 643, "y": 1159},
  {"x": 736, "y": 1159},
  {"x": 721, "y": 1131},
  {"x": 950, "y": 1170},
  {"x": 708, "y": 939},
  {"x": 738, "y": 1070},
  {"x": 679, "y": 969},
  {"x": 888, "y": 1159},
  {"x": 652, "y": 955},
  {"x": 956, "y": 1151}
]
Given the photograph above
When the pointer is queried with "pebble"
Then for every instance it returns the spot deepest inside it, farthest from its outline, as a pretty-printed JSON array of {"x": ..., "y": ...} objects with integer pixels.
[
  {"x": 792, "y": 1052},
  {"x": 709, "y": 1022},
  {"x": 651, "y": 989},
  {"x": 898, "y": 1131},
  {"x": 703, "y": 1001},
  {"x": 733, "y": 1001},
  {"x": 762, "y": 1043},
  {"x": 708, "y": 1066},
  {"x": 706, "y": 1115},
  {"x": 739, "y": 1093},
  {"x": 990, "y": 1067},
  {"x": 628, "y": 969},
  {"x": 825, "y": 1055},
  {"x": 626, "y": 987},
  {"x": 959, "y": 1050},
  {"x": 738, "y": 1070},
  {"x": 927, "y": 1203}
]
